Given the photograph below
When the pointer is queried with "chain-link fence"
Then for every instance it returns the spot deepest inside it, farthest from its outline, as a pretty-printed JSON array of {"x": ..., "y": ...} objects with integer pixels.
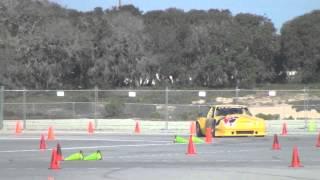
[{"x": 166, "y": 104}]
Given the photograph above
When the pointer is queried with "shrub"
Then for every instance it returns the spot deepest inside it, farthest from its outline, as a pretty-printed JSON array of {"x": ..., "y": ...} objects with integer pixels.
[
  {"x": 289, "y": 118},
  {"x": 114, "y": 108},
  {"x": 268, "y": 116},
  {"x": 81, "y": 99},
  {"x": 189, "y": 116},
  {"x": 155, "y": 115}
]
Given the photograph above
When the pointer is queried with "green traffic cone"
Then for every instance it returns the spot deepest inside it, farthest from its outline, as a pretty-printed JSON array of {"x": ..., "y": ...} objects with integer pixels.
[
  {"x": 312, "y": 126},
  {"x": 75, "y": 157},
  {"x": 195, "y": 139},
  {"x": 94, "y": 156},
  {"x": 179, "y": 139}
]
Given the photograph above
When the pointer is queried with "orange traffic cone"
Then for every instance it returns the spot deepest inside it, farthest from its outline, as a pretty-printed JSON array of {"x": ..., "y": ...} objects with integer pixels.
[
  {"x": 208, "y": 136},
  {"x": 43, "y": 145},
  {"x": 192, "y": 128},
  {"x": 51, "y": 135},
  {"x": 295, "y": 163},
  {"x": 276, "y": 145},
  {"x": 318, "y": 141},
  {"x": 90, "y": 128},
  {"x": 284, "y": 129},
  {"x": 59, "y": 153},
  {"x": 137, "y": 128},
  {"x": 55, "y": 164},
  {"x": 18, "y": 128},
  {"x": 191, "y": 148}
]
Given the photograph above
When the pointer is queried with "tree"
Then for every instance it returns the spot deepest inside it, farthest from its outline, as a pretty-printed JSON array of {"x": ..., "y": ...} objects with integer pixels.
[
  {"x": 46, "y": 46},
  {"x": 300, "y": 45}
]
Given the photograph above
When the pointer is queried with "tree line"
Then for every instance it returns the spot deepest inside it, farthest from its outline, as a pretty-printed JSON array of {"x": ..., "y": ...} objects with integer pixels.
[{"x": 46, "y": 46}]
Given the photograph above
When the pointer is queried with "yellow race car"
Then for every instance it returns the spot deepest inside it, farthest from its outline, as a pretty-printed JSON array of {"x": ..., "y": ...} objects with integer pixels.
[{"x": 230, "y": 120}]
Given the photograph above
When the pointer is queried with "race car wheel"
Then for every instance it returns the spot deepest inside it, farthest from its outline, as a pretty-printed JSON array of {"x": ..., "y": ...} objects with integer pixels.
[{"x": 198, "y": 130}]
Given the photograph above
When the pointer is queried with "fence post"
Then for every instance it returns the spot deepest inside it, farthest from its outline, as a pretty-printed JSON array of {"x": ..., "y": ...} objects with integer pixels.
[
  {"x": 167, "y": 108},
  {"x": 95, "y": 106},
  {"x": 237, "y": 94},
  {"x": 1, "y": 106},
  {"x": 73, "y": 110},
  {"x": 24, "y": 108},
  {"x": 305, "y": 107},
  {"x": 307, "y": 104}
]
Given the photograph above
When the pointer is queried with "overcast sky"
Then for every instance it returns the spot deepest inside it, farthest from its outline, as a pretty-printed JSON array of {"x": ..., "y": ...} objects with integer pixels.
[{"x": 279, "y": 11}]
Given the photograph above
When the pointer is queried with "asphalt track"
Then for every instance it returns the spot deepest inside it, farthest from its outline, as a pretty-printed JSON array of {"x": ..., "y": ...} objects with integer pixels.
[{"x": 147, "y": 157}]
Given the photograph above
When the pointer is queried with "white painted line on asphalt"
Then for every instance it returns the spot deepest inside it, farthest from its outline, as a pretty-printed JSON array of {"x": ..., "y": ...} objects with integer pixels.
[
  {"x": 15, "y": 138},
  {"x": 89, "y": 139},
  {"x": 233, "y": 151},
  {"x": 88, "y": 147},
  {"x": 169, "y": 155},
  {"x": 30, "y": 168},
  {"x": 313, "y": 160},
  {"x": 9, "y": 168},
  {"x": 22, "y": 150},
  {"x": 250, "y": 160},
  {"x": 114, "y": 146},
  {"x": 92, "y": 168}
]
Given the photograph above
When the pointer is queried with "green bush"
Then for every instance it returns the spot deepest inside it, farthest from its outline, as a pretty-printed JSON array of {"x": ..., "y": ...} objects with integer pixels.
[
  {"x": 114, "y": 108},
  {"x": 189, "y": 116},
  {"x": 155, "y": 115},
  {"x": 289, "y": 118},
  {"x": 80, "y": 98},
  {"x": 268, "y": 116}
]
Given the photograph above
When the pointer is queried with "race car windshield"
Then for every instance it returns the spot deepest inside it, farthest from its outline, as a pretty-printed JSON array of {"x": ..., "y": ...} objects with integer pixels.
[{"x": 228, "y": 111}]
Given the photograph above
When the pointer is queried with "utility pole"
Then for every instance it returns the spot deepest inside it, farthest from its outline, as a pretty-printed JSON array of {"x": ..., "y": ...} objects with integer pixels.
[
  {"x": 119, "y": 4},
  {"x": 1, "y": 105}
]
